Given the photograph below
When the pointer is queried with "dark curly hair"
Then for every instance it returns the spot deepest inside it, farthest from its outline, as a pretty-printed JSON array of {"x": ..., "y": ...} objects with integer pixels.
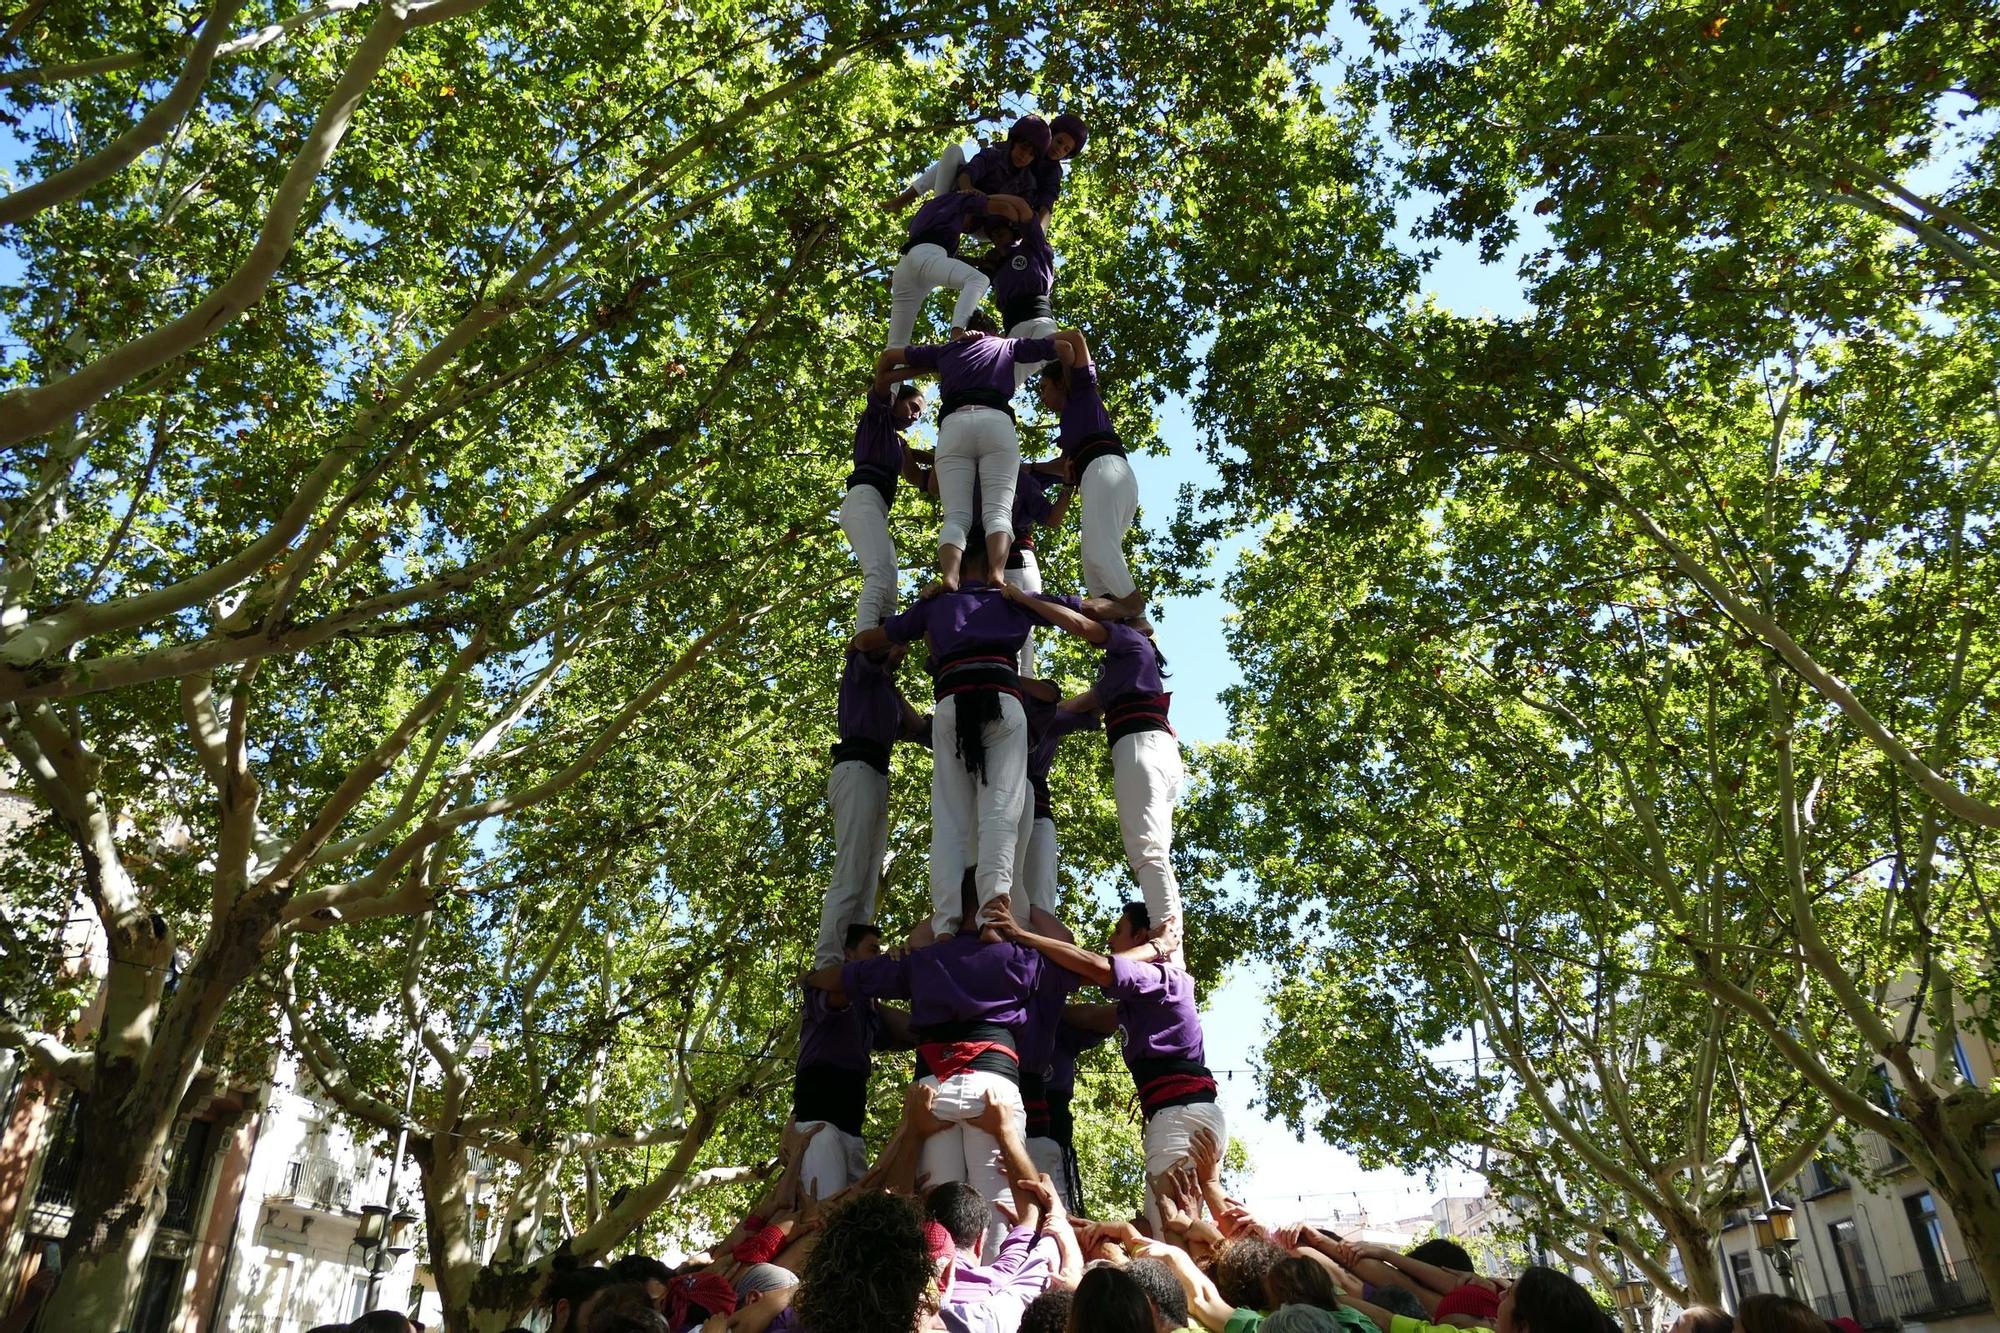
[
  {"x": 870, "y": 1271},
  {"x": 1241, "y": 1267}
]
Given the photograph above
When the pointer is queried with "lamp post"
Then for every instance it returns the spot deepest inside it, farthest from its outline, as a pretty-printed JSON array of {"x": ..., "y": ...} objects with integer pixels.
[
  {"x": 1776, "y": 1232},
  {"x": 385, "y": 1227}
]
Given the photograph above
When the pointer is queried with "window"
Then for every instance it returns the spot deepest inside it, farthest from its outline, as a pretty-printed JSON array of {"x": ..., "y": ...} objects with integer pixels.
[
  {"x": 1928, "y": 1231},
  {"x": 159, "y": 1296},
  {"x": 357, "y": 1299},
  {"x": 187, "y": 1174},
  {"x": 1861, "y": 1299},
  {"x": 1823, "y": 1177},
  {"x": 1885, "y": 1090},
  {"x": 60, "y": 1164},
  {"x": 1743, "y": 1268}
]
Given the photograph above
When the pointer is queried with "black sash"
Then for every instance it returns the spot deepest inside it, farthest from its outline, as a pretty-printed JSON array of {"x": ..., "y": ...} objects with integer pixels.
[
  {"x": 958, "y": 398},
  {"x": 837, "y": 1096},
  {"x": 1135, "y": 713},
  {"x": 977, "y": 681},
  {"x": 1171, "y": 1081},
  {"x": 1001, "y": 1059},
  {"x": 1092, "y": 448},
  {"x": 870, "y": 752},
  {"x": 881, "y": 478},
  {"x": 1024, "y": 308},
  {"x": 944, "y": 240}
]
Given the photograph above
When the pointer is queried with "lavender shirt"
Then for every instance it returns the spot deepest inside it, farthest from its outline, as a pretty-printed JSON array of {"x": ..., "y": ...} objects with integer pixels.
[
  {"x": 1130, "y": 665},
  {"x": 983, "y": 364},
  {"x": 1045, "y": 1019},
  {"x": 840, "y": 1038},
  {"x": 1157, "y": 1018},
  {"x": 1083, "y": 414},
  {"x": 1026, "y": 268},
  {"x": 959, "y": 979},
  {"x": 1059, "y": 1083},
  {"x": 1047, "y": 725},
  {"x": 877, "y": 442},
  {"x": 869, "y": 708},
  {"x": 993, "y": 171},
  {"x": 946, "y": 217},
  {"x": 976, "y": 618},
  {"x": 993, "y": 1298}
]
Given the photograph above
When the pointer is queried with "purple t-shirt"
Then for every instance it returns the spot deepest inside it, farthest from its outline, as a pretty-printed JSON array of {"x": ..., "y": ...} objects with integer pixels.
[
  {"x": 985, "y": 363},
  {"x": 839, "y": 1038},
  {"x": 1083, "y": 414},
  {"x": 1045, "y": 1009},
  {"x": 1031, "y": 504},
  {"x": 869, "y": 708},
  {"x": 976, "y": 618},
  {"x": 877, "y": 442},
  {"x": 1157, "y": 1018},
  {"x": 1130, "y": 666},
  {"x": 992, "y": 170},
  {"x": 959, "y": 979},
  {"x": 1059, "y": 1083},
  {"x": 946, "y": 217},
  {"x": 1047, "y": 725},
  {"x": 1026, "y": 268}
]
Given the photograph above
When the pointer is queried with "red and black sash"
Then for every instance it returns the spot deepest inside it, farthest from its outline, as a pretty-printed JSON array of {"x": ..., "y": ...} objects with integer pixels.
[
  {"x": 977, "y": 680},
  {"x": 1170, "y": 1081},
  {"x": 945, "y": 1050},
  {"x": 1135, "y": 713}
]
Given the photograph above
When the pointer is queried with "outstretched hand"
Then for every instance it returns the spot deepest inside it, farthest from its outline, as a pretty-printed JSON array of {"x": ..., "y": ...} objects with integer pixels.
[
  {"x": 1205, "y": 1154},
  {"x": 920, "y": 1109},
  {"x": 992, "y": 1117}
]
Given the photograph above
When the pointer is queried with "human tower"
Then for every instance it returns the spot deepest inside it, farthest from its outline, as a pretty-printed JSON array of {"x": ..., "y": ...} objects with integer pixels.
[{"x": 989, "y": 978}]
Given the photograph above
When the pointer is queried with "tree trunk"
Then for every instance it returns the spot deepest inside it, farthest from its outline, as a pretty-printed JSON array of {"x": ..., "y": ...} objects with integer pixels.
[
  {"x": 443, "y": 1175},
  {"x": 1703, "y": 1274},
  {"x": 1951, "y": 1162}
]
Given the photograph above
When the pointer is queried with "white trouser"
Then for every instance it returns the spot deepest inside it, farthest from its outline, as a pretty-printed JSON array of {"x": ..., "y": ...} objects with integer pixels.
[
  {"x": 972, "y": 822},
  {"x": 1037, "y": 876},
  {"x": 858, "y": 794},
  {"x": 1146, "y": 777},
  {"x": 1168, "y": 1134},
  {"x": 1109, "y": 494},
  {"x": 919, "y": 273},
  {"x": 1028, "y": 578},
  {"x": 977, "y": 442},
  {"x": 960, "y": 1152},
  {"x": 832, "y": 1161},
  {"x": 1047, "y": 1155},
  {"x": 942, "y": 177},
  {"x": 864, "y": 517},
  {"x": 1042, "y": 326}
]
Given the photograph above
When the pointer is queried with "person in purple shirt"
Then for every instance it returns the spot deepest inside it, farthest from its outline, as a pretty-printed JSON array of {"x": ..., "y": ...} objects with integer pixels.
[
  {"x": 1102, "y": 475},
  {"x": 1146, "y": 769},
  {"x": 1022, "y": 265},
  {"x": 880, "y": 460},
  {"x": 1048, "y": 723},
  {"x": 1027, "y": 163},
  {"x": 969, "y": 999},
  {"x": 837, "y": 1041},
  {"x": 1159, "y": 1031},
  {"x": 976, "y": 436},
  {"x": 979, "y": 735},
  {"x": 930, "y": 259},
  {"x": 1032, "y": 509},
  {"x": 872, "y": 715}
]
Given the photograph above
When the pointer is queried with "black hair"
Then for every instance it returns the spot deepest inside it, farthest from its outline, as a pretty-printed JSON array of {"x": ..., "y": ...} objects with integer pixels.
[
  {"x": 869, "y": 1271},
  {"x": 982, "y": 321},
  {"x": 1241, "y": 1267},
  {"x": 1441, "y": 1253},
  {"x": 1546, "y": 1301},
  {"x": 1397, "y": 1300},
  {"x": 1109, "y": 1300},
  {"x": 1048, "y": 1312},
  {"x": 959, "y": 1209},
  {"x": 636, "y": 1319},
  {"x": 1053, "y": 373},
  {"x": 576, "y": 1285},
  {"x": 1300, "y": 1281},
  {"x": 640, "y": 1268},
  {"x": 1765, "y": 1312},
  {"x": 381, "y": 1321},
  {"x": 909, "y": 389},
  {"x": 975, "y": 550},
  {"x": 1140, "y": 915},
  {"x": 1163, "y": 1289},
  {"x": 860, "y": 931}
]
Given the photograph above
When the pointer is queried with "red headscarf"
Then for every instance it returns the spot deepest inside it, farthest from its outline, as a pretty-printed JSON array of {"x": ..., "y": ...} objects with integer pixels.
[
  {"x": 711, "y": 1291},
  {"x": 1469, "y": 1298},
  {"x": 944, "y": 1253}
]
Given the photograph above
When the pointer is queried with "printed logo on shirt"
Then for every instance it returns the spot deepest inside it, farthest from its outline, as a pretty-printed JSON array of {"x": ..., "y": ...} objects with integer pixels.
[{"x": 1019, "y": 262}]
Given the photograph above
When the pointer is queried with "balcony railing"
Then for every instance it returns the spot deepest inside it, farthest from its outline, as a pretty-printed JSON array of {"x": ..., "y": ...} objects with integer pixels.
[
  {"x": 319, "y": 1182},
  {"x": 1926, "y": 1294},
  {"x": 1869, "y": 1306}
]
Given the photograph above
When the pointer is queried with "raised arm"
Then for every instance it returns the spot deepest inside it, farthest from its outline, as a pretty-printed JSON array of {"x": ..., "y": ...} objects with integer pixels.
[
  {"x": 915, "y": 725},
  {"x": 1092, "y": 967},
  {"x": 828, "y": 979},
  {"x": 1060, "y": 509},
  {"x": 1064, "y": 619},
  {"x": 871, "y": 640},
  {"x": 1071, "y": 349},
  {"x": 1010, "y": 206},
  {"x": 1205, "y": 1303}
]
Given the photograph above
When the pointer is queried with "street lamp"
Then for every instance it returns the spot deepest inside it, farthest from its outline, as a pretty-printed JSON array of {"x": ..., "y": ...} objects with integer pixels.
[{"x": 1776, "y": 1233}]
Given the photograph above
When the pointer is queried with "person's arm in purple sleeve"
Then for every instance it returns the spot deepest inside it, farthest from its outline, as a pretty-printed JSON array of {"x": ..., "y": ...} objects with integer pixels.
[
  {"x": 906, "y": 625},
  {"x": 1094, "y": 968},
  {"x": 1062, "y": 617},
  {"x": 916, "y": 726},
  {"x": 869, "y": 978},
  {"x": 1085, "y": 703},
  {"x": 1060, "y": 509},
  {"x": 1012, "y": 207},
  {"x": 915, "y": 461}
]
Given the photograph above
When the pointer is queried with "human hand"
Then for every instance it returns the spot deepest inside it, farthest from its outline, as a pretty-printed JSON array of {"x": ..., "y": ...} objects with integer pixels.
[
  {"x": 1204, "y": 1149},
  {"x": 793, "y": 1143},
  {"x": 935, "y": 588},
  {"x": 998, "y": 917},
  {"x": 1290, "y": 1236},
  {"x": 920, "y": 1109},
  {"x": 993, "y": 1117}
]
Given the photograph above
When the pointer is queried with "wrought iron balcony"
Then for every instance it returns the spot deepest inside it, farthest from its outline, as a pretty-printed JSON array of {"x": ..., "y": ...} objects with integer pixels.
[
  {"x": 320, "y": 1182},
  {"x": 1928, "y": 1294},
  {"x": 1869, "y": 1306}
]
